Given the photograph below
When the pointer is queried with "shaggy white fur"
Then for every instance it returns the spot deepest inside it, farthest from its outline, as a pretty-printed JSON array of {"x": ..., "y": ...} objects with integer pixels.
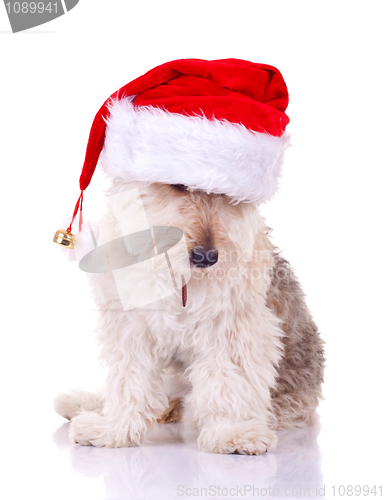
[
  {"x": 152, "y": 145},
  {"x": 226, "y": 342}
]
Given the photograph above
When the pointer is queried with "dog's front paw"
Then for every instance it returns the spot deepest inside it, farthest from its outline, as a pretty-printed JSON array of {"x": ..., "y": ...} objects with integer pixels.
[
  {"x": 244, "y": 438},
  {"x": 93, "y": 429}
]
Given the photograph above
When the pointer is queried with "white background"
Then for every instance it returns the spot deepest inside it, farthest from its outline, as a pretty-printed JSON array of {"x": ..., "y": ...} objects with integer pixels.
[{"x": 327, "y": 218}]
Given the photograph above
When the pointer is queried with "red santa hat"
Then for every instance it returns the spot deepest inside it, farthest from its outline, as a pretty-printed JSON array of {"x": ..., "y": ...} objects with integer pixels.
[{"x": 215, "y": 125}]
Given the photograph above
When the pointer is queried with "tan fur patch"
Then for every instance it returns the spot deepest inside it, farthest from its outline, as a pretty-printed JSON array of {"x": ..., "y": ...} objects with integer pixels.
[{"x": 173, "y": 414}]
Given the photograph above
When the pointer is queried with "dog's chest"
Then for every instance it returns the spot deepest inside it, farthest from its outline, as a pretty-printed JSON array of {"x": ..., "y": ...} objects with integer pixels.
[{"x": 211, "y": 310}]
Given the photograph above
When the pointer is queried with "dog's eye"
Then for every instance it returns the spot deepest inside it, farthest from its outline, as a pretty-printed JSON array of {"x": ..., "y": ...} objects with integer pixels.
[{"x": 179, "y": 187}]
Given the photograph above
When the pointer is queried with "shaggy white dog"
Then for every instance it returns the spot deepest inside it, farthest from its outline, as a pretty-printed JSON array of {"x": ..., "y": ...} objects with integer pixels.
[{"x": 244, "y": 356}]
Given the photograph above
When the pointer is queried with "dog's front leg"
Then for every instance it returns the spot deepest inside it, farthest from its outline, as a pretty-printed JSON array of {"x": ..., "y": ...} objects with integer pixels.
[
  {"x": 231, "y": 381},
  {"x": 134, "y": 397}
]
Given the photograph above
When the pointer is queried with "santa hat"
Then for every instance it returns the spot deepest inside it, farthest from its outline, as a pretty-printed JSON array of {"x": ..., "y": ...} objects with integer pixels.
[{"x": 215, "y": 125}]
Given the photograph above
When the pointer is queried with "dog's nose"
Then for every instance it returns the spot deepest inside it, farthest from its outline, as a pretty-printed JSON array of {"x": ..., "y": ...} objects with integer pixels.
[{"x": 204, "y": 257}]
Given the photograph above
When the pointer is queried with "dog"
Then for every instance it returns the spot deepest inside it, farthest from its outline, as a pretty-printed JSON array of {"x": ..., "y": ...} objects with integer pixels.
[{"x": 242, "y": 360}]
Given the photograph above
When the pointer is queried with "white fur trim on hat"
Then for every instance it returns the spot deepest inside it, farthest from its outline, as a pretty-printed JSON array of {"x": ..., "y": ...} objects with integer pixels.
[{"x": 152, "y": 145}]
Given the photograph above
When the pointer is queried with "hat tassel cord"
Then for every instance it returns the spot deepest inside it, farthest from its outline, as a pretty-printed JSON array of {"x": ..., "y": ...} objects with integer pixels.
[{"x": 64, "y": 237}]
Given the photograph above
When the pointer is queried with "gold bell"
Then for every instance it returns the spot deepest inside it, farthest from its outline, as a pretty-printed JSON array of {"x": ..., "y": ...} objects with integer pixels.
[{"x": 64, "y": 238}]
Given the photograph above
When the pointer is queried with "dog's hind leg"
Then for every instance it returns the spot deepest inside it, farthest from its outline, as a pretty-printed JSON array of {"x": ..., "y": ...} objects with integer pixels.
[
  {"x": 297, "y": 391},
  {"x": 70, "y": 404}
]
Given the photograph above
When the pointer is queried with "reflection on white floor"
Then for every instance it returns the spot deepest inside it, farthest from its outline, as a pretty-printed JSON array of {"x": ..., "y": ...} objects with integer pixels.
[{"x": 170, "y": 466}]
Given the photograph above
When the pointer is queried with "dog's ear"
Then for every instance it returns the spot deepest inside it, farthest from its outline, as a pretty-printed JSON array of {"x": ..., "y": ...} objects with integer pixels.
[{"x": 179, "y": 187}]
